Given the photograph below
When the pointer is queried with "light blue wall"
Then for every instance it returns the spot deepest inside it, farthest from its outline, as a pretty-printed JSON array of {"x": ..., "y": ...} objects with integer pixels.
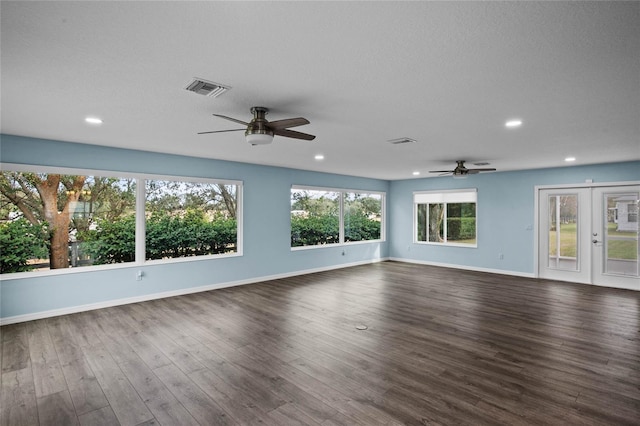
[
  {"x": 266, "y": 228},
  {"x": 505, "y": 214}
]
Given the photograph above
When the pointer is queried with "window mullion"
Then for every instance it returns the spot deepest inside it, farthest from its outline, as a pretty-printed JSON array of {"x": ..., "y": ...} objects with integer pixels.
[
  {"x": 140, "y": 221},
  {"x": 428, "y": 218},
  {"x": 341, "y": 220},
  {"x": 444, "y": 225}
]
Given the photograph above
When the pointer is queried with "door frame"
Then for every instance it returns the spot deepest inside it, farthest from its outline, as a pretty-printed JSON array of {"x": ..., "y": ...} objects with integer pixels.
[{"x": 536, "y": 219}]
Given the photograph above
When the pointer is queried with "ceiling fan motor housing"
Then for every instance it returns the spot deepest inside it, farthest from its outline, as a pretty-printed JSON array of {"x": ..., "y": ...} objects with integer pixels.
[{"x": 258, "y": 133}]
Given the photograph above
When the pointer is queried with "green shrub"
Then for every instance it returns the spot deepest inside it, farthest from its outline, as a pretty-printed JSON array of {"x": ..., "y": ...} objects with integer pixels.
[
  {"x": 309, "y": 231},
  {"x": 360, "y": 228},
  {"x": 461, "y": 228},
  {"x": 166, "y": 237},
  {"x": 318, "y": 230},
  {"x": 111, "y": 242},
  {"x": 21, "y": 241}
]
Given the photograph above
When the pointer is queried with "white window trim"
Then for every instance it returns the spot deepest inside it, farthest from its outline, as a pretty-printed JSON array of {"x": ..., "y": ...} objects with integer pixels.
[
  {"x": 445, "y": 196},
  {"x": 140, "y": 250},
  {"x": 342, "y": 191}
]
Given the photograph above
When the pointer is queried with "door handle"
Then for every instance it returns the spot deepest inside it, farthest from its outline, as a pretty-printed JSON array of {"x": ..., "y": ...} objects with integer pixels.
[{"x": 595, "y": 241}]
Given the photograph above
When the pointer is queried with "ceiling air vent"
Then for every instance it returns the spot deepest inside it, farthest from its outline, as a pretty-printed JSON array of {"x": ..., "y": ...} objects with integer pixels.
[
  {"x": 401, "y": 141},
  {"x": 206, "y": 88}
]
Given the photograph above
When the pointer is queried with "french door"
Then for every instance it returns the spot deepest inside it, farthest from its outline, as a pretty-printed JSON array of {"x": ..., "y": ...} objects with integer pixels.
[{"x": 590, "y": 235}]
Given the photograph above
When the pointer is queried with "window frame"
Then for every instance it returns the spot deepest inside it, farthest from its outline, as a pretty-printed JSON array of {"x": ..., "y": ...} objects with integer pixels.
[
  {"x": 342, "y": 191},
  {"x": 140, "y": 248},
  {"x": 444, "y": 195}
]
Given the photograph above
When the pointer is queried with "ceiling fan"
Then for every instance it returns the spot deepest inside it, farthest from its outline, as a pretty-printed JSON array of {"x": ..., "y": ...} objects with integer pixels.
[
  {"x": 461, "y": 170},
  {"x": 259, "y": 131}
]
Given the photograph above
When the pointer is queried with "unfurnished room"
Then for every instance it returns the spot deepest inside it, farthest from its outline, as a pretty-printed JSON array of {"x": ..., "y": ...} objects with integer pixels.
[{"x": 319, "y": 213}]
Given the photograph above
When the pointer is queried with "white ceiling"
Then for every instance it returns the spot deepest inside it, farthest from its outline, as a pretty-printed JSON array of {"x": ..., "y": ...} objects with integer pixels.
[{"x": 448, "y": 74}]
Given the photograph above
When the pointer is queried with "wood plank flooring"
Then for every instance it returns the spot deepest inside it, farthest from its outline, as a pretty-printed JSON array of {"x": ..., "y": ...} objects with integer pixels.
[{"x": 442, "y": 347}]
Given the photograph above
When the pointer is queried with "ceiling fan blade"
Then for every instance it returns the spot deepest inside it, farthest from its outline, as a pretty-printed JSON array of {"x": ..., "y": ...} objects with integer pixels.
[
  {"x": 287, "y": 122},
  {"x": 222, "y": 131},
  {"x": 481, "y": 170},
  {"x": 441, "y": 171},
  {"x": 293, "y": 134},
  {"x": 231, "y": 119}
]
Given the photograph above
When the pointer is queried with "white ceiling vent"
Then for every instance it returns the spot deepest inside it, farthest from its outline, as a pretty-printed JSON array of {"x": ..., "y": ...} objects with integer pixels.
[
  {"x": 401, "y": 141},
  {"x": 206, "y": 88}
]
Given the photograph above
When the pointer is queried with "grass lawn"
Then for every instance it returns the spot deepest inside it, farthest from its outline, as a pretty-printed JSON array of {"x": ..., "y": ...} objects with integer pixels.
[
  {"x": 617, "y": 249},
  {"x": 469, "y": 241},
  {"x": 568, "y": 240}
]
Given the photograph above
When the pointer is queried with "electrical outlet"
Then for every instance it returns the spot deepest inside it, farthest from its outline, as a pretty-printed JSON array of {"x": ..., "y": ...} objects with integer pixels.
[
  {"x": 501, "y": 256},
  {"x": 344, "y": 252},
  {"x": 139, "y": 275}
]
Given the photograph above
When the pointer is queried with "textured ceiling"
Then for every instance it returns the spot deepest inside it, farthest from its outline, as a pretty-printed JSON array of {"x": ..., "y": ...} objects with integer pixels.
[{"x": 447, "y": 74}]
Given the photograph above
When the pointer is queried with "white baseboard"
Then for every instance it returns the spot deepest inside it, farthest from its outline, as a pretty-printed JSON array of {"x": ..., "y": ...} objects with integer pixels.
[
  {"x": 153, "y": 296},
  {"x": 465, "y": 267}
]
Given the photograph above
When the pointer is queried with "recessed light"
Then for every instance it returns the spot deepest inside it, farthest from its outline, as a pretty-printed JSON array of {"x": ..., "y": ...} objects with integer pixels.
[
  {"x": 416, "y": 173},
  {"x": 319, "y": 157},
  {"x": 93, "y": 120},
  {"x": 513, "y": 123},
  {"x": 570, "y": 159}
]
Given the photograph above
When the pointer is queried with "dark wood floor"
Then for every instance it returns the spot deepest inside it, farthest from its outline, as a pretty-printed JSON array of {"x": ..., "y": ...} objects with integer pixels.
[{"x": 442, "y": 347}]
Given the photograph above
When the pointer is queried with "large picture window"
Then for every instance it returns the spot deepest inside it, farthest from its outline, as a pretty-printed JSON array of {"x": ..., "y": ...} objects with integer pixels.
[
  {"x": 60, "y": 219},
  {"x": 446, "y": 217},
  {"x": 327, "y": 216},
  {"x": 189, "y": 219}
]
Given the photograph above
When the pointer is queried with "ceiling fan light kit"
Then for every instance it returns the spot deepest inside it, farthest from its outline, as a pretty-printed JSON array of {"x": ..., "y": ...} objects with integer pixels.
[{"x": 259, "y": 138}]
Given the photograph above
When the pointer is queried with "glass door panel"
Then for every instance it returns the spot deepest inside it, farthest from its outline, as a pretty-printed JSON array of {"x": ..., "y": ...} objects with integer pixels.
[
  {"x": 620, "y": 237},
  {"x": 564, "y": 216},
  {"x": 563, "y": 232}
]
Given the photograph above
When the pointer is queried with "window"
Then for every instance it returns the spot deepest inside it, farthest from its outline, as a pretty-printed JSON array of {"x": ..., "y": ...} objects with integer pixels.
[
  {"x": 445, "y": 217},
  {"x": 60, "y": 219},
  {"x": 189, "y": 219},
  {"x": 50, "y": 220},
  {"x": 315, "y": 217},
  {"x": 362, "y": 216},
  {"x": 325, "y": 216}
]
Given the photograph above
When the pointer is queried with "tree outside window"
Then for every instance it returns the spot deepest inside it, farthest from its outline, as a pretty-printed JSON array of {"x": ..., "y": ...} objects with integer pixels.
[
  {"x": 446, "y": 217},
  {"x": 51, "y": 216},
  {"x": 59, "y": 221},
  {"x": 315, "y": 217},
  {"x": 323, "y": 216}
]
